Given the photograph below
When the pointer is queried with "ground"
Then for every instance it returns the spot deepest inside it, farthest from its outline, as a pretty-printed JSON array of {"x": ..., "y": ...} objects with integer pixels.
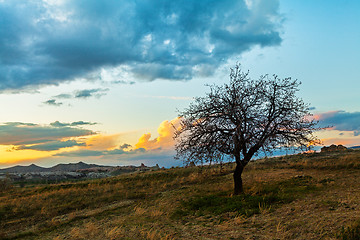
[{"x": 305, "y": 196}]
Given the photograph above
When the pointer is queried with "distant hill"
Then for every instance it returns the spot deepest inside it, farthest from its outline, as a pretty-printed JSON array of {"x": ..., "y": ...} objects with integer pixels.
[
  {"x": 71, "y": 167},
  {"x": 23, "y": 169}
]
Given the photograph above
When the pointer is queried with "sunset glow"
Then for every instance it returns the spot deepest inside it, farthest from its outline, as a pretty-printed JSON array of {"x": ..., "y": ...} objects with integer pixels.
[{"x": 9, "y": 156}]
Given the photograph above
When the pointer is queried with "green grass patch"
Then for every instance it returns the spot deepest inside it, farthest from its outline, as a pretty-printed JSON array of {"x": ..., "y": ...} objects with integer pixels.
[
  {"x": 246, "y": 205},
  {"x": 266, "y": 196}
]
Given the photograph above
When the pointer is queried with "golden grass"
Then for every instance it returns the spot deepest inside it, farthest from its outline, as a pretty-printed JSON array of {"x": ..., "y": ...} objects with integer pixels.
[{"x": 142, "y": 206}]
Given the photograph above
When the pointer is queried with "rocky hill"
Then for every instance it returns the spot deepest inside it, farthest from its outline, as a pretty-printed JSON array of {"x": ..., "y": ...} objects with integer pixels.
[{"x": 70, "y": 167}]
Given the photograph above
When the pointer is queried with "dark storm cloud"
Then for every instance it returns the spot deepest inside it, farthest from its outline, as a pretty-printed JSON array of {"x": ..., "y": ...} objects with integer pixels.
[
  {"x": 43, "y": 43},
  {"x": 341, "y": 120},
  {"x": 51, "y": 146},
  {"x": 16, "y": 133}
]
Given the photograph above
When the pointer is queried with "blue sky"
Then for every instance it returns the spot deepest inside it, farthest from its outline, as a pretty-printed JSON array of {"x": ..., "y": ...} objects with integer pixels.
[{"x": 82, "y": 80}]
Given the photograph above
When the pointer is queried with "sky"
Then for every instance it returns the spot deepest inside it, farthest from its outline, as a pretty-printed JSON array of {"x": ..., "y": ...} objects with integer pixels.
[{"x": 103, "y": 81}]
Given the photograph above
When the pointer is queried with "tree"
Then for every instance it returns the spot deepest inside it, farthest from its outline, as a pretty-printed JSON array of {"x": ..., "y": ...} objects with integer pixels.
[{"x": 242, "y": 119}]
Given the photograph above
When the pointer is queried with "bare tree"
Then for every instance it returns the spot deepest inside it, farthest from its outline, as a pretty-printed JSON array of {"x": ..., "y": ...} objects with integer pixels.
[{"x": 243, "y": 118}]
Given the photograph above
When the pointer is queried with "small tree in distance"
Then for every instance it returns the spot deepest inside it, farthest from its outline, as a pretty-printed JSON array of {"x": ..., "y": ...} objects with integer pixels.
[{"x": 243, "y": 118}]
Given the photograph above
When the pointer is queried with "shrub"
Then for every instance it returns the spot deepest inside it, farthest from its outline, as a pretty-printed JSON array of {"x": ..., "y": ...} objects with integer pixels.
[{"x": 5, "y": 185}]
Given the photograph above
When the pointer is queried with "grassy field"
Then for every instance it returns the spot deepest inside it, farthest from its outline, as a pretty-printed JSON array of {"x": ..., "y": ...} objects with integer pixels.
[{"x": 307, "y": 196}]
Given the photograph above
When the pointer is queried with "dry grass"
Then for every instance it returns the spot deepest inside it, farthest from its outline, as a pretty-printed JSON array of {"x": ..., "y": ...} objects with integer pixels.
[{"x": 310, "y": 196}]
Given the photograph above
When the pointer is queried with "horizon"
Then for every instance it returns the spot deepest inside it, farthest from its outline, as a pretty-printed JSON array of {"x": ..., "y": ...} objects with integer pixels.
[
  {"x": 278, "y": 153},
  {"x": 102, "y": 82},
  {"x": 33, "y": 164}
]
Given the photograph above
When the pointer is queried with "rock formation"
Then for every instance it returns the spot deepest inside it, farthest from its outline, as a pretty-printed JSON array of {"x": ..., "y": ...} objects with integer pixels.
[{"x": 334, "y": 148}]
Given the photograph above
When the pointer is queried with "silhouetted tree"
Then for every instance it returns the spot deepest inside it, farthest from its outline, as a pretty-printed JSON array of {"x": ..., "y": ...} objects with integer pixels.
[{"x": 243, "y": 118}]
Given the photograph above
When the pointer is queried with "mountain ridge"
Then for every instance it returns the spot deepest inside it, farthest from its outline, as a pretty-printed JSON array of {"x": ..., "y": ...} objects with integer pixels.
[{"x": 61, "y": 167}]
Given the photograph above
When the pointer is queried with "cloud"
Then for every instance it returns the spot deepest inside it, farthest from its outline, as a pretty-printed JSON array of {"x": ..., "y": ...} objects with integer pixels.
[
  {"x": 81, "y": 153},
  {"x": 79, "y": 94},
  {"x": 95, "y": 153},
  {"x": 63, "y": 96},
  {"x": 91, "y": 93},
  {"x": 79, "y": 123},
  {"x": 103, "y": 142},
  {"x": 120, "y": 151},
  {"x": 122, "y": 82},
  {"x": 107, "y": 146},
  {"x": 125, "y": 146},
  {"x": 17, "y": 133},
  {"x": 69, "y": 141},
  {"x": 73, "y": 124},
  {"x": 51, "y": 145},
  {"x": 49, "y": 42},
  {"x": 164, "y": 140},
  {"x": 340, "y": 120},
  {"x": 53, "y": 102}
]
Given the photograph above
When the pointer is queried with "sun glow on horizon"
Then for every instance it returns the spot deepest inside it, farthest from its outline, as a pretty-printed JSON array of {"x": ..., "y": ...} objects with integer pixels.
[{"x": 8, "y": 155}]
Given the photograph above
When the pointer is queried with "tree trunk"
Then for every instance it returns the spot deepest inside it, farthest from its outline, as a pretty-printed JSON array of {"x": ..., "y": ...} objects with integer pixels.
[{"x": 238, "y": 184}]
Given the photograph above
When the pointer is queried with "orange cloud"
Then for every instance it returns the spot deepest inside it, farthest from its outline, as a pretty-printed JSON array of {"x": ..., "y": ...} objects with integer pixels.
[
  {"x": 331, "y": 136},
  {"x": 343, "y": 141},
  {"x": 103, "y": 142},
  {"x": 164, "y": 140}
]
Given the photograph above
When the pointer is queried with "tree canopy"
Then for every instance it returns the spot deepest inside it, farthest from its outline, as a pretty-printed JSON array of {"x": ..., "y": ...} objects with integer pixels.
[{"x": 241, "y": 119}]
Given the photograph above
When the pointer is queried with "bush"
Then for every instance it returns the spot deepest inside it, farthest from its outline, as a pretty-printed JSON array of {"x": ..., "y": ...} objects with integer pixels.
[{"x": 5, "y": 185}]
